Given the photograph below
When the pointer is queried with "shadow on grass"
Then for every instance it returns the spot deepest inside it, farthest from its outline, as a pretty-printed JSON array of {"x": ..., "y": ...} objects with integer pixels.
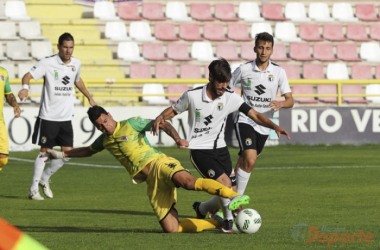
[
  {"x": 12, "y": 197},
  {"x": 96, "y": 211},
  {"x": 84, "y": 230}
]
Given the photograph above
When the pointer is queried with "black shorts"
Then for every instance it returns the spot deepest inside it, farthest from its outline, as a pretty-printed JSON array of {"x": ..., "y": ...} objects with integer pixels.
[
  {"x": 48, "y": 134},
  {"x": 249, "y": 139}
]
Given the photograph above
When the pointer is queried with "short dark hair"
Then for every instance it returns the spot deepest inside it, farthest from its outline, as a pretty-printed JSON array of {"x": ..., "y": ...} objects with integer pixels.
[
  {"x": 95, "y": 112},
  {"x": 264, "y": 36},
  {"x": 220, "y": 70},
  {"x": 65, "y": 37}
]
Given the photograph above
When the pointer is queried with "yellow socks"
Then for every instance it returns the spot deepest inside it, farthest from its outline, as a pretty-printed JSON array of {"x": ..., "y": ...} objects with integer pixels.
[
  {"x": 213, "y": 187},
  {"x": 197, "y": 225}
]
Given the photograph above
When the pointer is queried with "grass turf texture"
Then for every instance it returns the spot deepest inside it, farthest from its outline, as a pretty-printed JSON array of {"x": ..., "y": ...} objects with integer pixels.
[{"x": 333, "y": 188}]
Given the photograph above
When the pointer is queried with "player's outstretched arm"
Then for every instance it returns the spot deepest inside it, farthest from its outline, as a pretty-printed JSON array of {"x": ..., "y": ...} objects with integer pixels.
[
  {"x": 165, "y": 115},
  {"x": 82, "y": 88},
  {"x": 23, "y": 93},
  {"x": 170, "y": 130},
  {"x": 77, "y": 152}
]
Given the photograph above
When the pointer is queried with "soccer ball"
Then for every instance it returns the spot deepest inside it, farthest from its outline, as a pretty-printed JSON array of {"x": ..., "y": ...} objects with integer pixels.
[{"x": 248, "y": 221}]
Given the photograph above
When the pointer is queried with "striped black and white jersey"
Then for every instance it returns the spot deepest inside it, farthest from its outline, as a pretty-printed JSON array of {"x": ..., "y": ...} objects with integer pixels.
[
  {"x": 259, "y": 88},
  {"x": 206, "y": 117}
]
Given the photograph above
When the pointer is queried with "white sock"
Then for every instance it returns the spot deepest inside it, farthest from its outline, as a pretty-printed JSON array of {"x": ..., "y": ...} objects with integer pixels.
[
  {"x": 223, "y": 203},
  {"x": 54, "y": 166},
  {"x": 39, "y": 165},
  {"x": 209, "y": 205},
  {"x": 242, "y": 179}
]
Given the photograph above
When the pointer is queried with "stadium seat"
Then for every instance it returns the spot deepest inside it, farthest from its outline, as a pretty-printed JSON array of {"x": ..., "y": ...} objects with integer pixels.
[
  {"x": 374, "y": 32},
  {"x": 225, "y": 12},
  {"x": 286, "y": 32},
  {"x": 190, "y": 71},
  {"x": 10, "y": 67},
  {"x": 292, "y": 71},
  {"x": 324, "y": 52},
  {"x": 177, "y": 11},
  {"x": 279, "y": 53},
  {"x": 246, "y": 52},
  {"x": 353, "y": 89},
  {"x": 304, "y": 89},
  {"x": 2, "y": 11},
  {"x": 154, "y": 88},
  {"x": 202, "y": 51},
  {"x": 238, "y": 32},
  {"x": 300, "y": 52},
  {"x": 330, "y": 89},
  {"x": 105, "y": 11},
  {"x": 201, "y": 12},
  {"x": 342, "y": 12},
  {"x": 313, "y": 71},
  {"x": 176, "y": 89},
  {"x": 227, "y": 51},
  {"x": 129, "y": 51},
  {"x": 333, "y": 32},
  {"x": 296, "y": 12},
  {"x": 347, "y": 52},
  {"x": 18, "y": 51},
  {"x": 319, "y": 12},
  {"x": 370, "y": 51},
  {"x": 165, "y": 71},
  {"x": 178, "y": 52},
  {"x": 337, "y": 71},
  {"x": 357, "y": 32},
  {"x": 249, "y": 12},
  {"x": 153, "y": 52},
  {"x": 153, "y": 11},
  {"x": 366, "y": 12},
  {"x": 140, "y": 31},
  {"x": 165, "y": 32},
  {"x": 116, "y": 31},
  {"x": 41, "y": 49},
  {"x": 190, "y": 32},
  {"x": 273, "y": 11},
  {"x": 310, "y": 32},
  {"x": 16, "y": 10},
  {"x": 377, "y": 72},
  {"x": 206, "y": 71},
  {"x": 373, "y": 89},
  {"x": 30, "y": 30},
  {"x": 24, "y": 68},
  {"x": 260, "y": 27},
  {"x": 214, "y": 32},
  {"x": 361, "y": 72},
  {"x": 8, "y": 31},
  {"x": 140, "y": 71},
  {"x": 128, "y": 11}
]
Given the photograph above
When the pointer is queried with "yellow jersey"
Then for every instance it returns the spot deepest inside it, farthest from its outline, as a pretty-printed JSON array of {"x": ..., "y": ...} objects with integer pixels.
[{"x": 5, "y": 89}]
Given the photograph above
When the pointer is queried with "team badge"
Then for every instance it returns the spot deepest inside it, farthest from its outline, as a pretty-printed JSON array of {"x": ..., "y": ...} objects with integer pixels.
[
  {"x": 43, "y": 139},
  {"x": 73, "y": 68},
  {"x": 2, "y": 78},
  {"x": 220, "y": 106},
  {"x": 211, "y": 173},
  {"x": 270, "y": 78},
  {"x": 248, "y": 141},
  {"x": 249, "y": 84},
  {"x": 197, "y": 115},
  {"x": 124, "y": 138}
]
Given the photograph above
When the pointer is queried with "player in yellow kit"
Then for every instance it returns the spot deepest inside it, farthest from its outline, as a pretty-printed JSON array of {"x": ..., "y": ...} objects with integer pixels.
[
  {"x": 5, "y": 90},
  {"x": 127, "y": 142}
]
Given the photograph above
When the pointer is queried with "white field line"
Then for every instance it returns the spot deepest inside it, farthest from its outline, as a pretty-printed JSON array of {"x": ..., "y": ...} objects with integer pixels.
[{"x": 270, "y": 168}]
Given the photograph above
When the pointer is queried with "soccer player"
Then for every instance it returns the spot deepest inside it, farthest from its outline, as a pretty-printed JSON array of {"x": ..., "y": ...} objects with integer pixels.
[
  {"x": 208, "y": 108},
  {"x": 53, "y": 125},
  {"x": 260, "y": 80},
  {"x": 127, "y": 142},
  {"x": 5, "y": 91}
]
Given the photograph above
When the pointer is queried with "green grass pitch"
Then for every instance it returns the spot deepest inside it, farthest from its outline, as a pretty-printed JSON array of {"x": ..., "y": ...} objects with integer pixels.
[{"x": 309, "y": 197}]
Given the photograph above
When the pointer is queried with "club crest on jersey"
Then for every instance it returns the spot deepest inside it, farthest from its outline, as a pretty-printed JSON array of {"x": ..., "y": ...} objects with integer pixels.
[
  {"x": 124, "y": 138},
  {"x": 211, "y": 173},
  {"x": 248, "y": 141},
  {"x": 220, "y": 106},
  {"x": 73, "y": 68},
  {"x": 2, "y": 78},
  {"x": 43, "y": 139},
  {"x": 271, "y": 78}
]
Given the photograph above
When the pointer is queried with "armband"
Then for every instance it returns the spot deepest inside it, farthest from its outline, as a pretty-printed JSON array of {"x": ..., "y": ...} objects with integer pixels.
[{"x": 245, "y": 108}]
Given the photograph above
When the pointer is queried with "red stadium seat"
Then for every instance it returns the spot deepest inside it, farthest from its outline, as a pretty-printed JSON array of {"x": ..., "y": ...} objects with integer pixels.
[
  {"x": 366, "y": 12},
  {"x": 153, "y": 52},
  {"x": 353, "y": 89},
  {"x": 176, "y": 89},
  {"x": 190, "y": 32},
  {"x": 190, "y": 71},
  {"x": 347, "y": 52},
  {"x": 333, "y": 32},
  {"x": 238, "y": 32},
  {"x": 273, "y": 11},
  {"x": 304, "y": 89},
  {"x": 165, "y": 32},
  {"x": 357, "y": 32},
  {"x": 246, "y": 51},
  {"x": 140, "y": 71},
  {"x": 375, "y": 31},
  {"x": 292, "y": 71},
  {"x": 153, "y": 11},
  {"x": 313, "y": 71},
  {"x": 310, "y": 32},
  {"x": 324, "y": 52},
  {"x": 214, "y": 32},
  {"x": 201, "y": 12},
  {"x": 279, "y": 53},
  {"x": 327, "y": 89},
  {"x": 228, "y": 51},
  {"x": 128, "y": 11},
  {"x": 300, "y": 52},
  {"x": 206, "y": 71},
  {"x": 362, "y": 72},
  {"x": 225, "y": 12},
  {"x": 165, "y": 71},
  {"x": 178, "y": 52}
]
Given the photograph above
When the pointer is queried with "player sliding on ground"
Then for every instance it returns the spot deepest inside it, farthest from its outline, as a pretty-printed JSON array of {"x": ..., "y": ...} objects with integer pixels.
[{"x": 127, "y": 142}]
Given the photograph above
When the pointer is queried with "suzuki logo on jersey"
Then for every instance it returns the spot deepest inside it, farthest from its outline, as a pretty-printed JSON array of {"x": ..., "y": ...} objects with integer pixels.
[
  {"x": 66, "y": 80},
  {"x": 260, "y": 89},
  {"x": 208, "y": 120}
]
